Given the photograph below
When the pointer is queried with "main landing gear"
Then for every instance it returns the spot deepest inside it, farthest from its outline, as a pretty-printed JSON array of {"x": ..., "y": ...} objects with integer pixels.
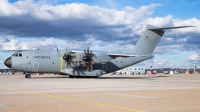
[
  {"x": 73, "y": 76},
  {"x": 27, "y": 75}
]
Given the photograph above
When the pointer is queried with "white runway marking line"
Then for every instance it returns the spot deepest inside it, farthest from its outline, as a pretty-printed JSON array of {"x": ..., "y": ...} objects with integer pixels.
[{"x": 132, "y": 95}]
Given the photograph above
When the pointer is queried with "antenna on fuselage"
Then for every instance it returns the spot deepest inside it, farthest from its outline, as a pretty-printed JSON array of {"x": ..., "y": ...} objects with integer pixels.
[{"x": 58, "y": 51}]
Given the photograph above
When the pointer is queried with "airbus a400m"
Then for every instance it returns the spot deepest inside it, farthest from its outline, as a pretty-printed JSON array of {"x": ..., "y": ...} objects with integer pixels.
[{"x": 86, "y": 63}]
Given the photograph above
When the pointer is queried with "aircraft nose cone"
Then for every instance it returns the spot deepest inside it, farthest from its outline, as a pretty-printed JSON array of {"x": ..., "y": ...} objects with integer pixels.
[{"x": 8, "y": 62}]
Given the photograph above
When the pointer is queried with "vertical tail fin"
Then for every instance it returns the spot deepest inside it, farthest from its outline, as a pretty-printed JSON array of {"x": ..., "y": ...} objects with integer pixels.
[{"x": 150, "y": 38}]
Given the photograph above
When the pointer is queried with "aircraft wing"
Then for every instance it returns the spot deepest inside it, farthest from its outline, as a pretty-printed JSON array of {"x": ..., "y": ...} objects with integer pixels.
[
  {"x": 109, "y": 54},
  {"x": 113, "y": 55}
]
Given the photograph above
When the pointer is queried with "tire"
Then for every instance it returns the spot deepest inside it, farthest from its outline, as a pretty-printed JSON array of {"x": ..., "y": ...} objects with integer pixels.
[
  {"x": 27, "y": 76},
  {"x": 71, "y": 76}
]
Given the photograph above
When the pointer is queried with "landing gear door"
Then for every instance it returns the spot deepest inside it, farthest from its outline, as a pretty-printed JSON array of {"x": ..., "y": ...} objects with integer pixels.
[{"x": 35, "y": 66}]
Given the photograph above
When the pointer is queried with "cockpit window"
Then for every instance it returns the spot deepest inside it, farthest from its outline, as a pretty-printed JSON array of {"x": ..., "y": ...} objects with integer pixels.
[
  {"x": 20, "y": 54},
  {"x": 16, "y": 55}
]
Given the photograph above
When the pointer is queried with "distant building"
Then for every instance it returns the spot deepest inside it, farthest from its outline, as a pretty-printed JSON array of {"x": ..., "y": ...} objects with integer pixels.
[
  {"x": 7, "y": 71},
  {"x": 132, "y": 70}
]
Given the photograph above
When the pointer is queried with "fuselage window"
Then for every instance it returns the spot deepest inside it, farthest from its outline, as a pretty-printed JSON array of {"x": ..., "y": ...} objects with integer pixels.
[
  {"x": 16, "y": 55},
  {"x": 20, "y": 54}
]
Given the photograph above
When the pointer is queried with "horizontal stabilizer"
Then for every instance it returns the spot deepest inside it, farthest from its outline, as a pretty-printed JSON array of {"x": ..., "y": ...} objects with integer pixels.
[{"x": 169, "y": 28}]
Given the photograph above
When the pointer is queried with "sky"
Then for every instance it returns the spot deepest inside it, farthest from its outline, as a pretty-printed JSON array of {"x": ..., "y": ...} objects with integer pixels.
[{"x": 103, "y": 25}]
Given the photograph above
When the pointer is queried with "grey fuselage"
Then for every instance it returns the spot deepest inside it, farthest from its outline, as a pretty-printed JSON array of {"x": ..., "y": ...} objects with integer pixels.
[{"x": 48, "y": 62}]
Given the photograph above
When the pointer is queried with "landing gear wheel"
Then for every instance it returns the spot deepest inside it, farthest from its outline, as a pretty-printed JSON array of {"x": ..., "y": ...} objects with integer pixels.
[
  {"x": 71, "y": 76},
  {"x": 78, "y": 77},
  {"x": 27, "y": 76}
]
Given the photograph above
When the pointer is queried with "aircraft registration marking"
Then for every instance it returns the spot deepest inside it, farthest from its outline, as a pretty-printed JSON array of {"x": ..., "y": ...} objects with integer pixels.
[{"x": 73, "y": 99}]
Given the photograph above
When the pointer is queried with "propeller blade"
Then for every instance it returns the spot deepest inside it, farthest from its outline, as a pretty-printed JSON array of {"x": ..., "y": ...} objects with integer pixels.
[
  {"x": 87, "y": 65},
  {"x": 87, "y": 49},
  {"x": 88, "y": 59},
  {"x": 68, "y": 56},
  {"x": 91, "y": 67}
]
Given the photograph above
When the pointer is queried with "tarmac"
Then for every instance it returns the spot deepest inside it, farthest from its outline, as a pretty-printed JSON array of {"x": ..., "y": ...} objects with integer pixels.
[{"x": 109, "y": 93}]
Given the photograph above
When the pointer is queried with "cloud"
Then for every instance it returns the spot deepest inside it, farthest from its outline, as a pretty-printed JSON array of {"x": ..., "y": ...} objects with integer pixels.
[
  {"x": 50, "y": 44},
  {"x": 14, "y": 44},
  {"x": 194, "y": 57},
  {"x": 190, "y": 22},
  {"x": 3, "y": 40},
  {"x": 160, "y": 21},
  {"x": 35, "y": 19},
  {"x": 192, "y": 60},
  {"x": 77, "y": 20}
]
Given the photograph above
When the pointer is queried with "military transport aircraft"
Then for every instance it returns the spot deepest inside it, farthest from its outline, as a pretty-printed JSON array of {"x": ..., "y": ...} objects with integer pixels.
[{"x": 85, "y": 63}]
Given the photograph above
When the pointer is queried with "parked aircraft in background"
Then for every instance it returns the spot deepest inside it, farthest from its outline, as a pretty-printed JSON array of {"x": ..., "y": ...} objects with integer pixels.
[{"x": 86, "y": 63}]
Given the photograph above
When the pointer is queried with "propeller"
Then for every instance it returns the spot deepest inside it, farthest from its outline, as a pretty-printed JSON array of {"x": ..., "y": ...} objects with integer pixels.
[
  {"x": 88, "y": 59},
  {"x": 68, "y": 57}
]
